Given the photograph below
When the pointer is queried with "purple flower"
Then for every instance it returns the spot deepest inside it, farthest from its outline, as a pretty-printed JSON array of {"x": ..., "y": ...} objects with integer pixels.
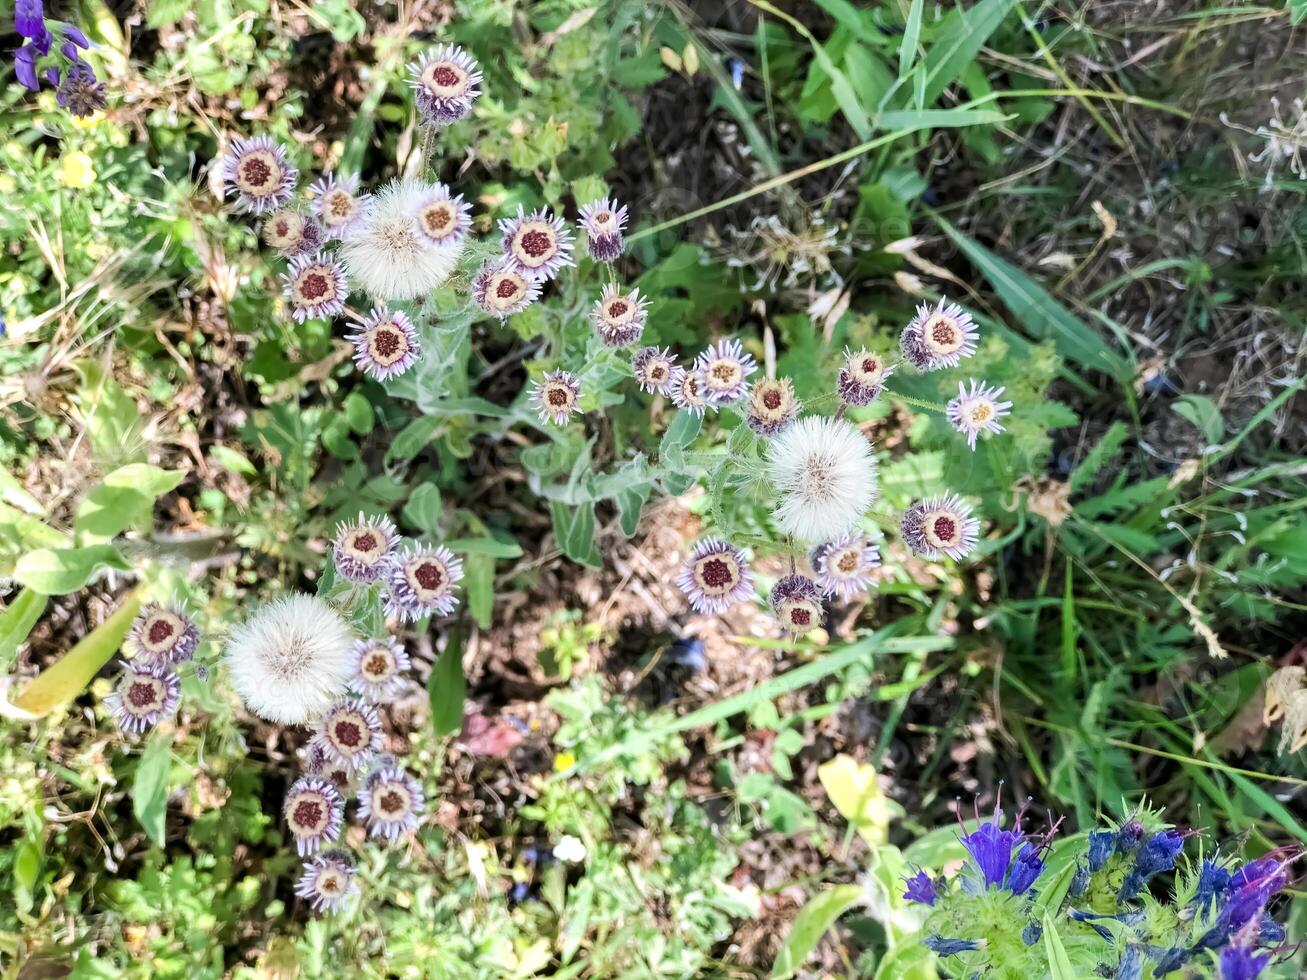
[
  {"x": 327, "y": 880},
  {"x": 1129, "y": 836},
  {"x": 1213, "y": 880},
  {"x": 29, "y": 19},
  {"x": 990, "y": 847},
  {"x": 1157, "y": 854},
  {"x": 1025, "y": 869},
  {"x": 25, "y": 67},
  {"x": 74, "y": 34},
  {"x": 951, "y": 947},
  {"x": 1100, "y": 848},
  {"x": 1239, "y": 963},
  {"x": 81, "y": 93},
  {"x": 919, "y": 888}
]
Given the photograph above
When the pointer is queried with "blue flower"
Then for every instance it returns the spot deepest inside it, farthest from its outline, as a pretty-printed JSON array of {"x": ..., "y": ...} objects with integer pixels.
[
  {"x": 1100, "y": 848},
  {"x": 1129, "y": 836},
  {"x": 1032, "y": 933},
  {"x": 1239, "y": 963},
  {"x": 25, "y": 67},
  {"x": 991, "y": 848},
  {"x": 1213, "y": 880},
  {"x": 1025, "y": 869},
  {"x": 919, "y": 888},
  {"x": 1131, "y": 965},
  {"x": 29, "y": 19},
  {"x": 1157, "y": 855},
  {"x": 951, "y": 947},
  {"x": 81, "y": 93}
]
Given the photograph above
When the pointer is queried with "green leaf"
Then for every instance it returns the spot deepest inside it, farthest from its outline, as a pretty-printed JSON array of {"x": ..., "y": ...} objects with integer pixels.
[
  {"x": 164, "y": 12},
  {"x": 1059, "y": 964},
  {"x": 962, "y": 35},
  {"x": 126, "y": 497},
  {"x": 16, "y": 623},
  {"x": 682, "y": 431},
  {"x": 446, "y": 687},
  {"x": 424, "y": 507},
  {"x": 1104, "y": 451},
  {"x": 231, "y": 460},
  {"x": 812, "y": 922},
  {"x": 630, "y": 502},
  {"x": 358, "y": 413},
  {"x": 485, "y": 546},
  {"x": 911, "y": 36},
  {"x": 66, "y": 570},
  {"x": 479, "y": 581},
  {"x": 575, "y": 529},
  {"x": 413, "y": 438},
  {"x": 150, "y": 786},
  {"x": 854, "y": 789},
  {"x": 1201, "y": 412}
]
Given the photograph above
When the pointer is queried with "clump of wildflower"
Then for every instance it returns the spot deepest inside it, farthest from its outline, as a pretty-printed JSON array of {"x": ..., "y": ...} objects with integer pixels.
[
  {"x": 796, "y": 603},
  {"x": 501, "y": 290},
  {"x": 603, "y": 223},
  {"x": 687, "y": 390},
  {"x": 619, "y": 317},
  {"x": 379, "y": 666},
  {"x": 386, "y": 252},
  {"x": 327, "y": 880},
  {"x": 844, "y": 565},
  {"x": 715, "y": 577},
  {"x": 654, "y": 368},
  {"x": 162, "y": 635},
  {"x": 291, "y": 233},
  {"x": 824, "y": 474},
  {"x": 444, "y": 218},
  {"x": 772, "y": 406},
  {"x": 536, "y": 245},
  {"x": 363, "y": 548},
  {"x": 422, "y": 582},
  {"x": 725, "y": 368},
  {"x": 146, "y": 694},
  {"x": 385, "y": 344},
  {"x": 862, "y": 377},
  {"x": 938, "y": 337},
  {"x": 391, "y": 802},
  {"x": 316, "y": 287},
  {"x": 445, "y": 81},
  {"x": 350, "y": 733},
  {"x": 318, "y": 762},
  {"x": 556, "y": 396},
  {"x": 259, "y": 173},
  {"x": 80, "y": 92},
  {"x": 977, "y": 410},
  {"x": 291, "y": 659},
  {"x": 941, "y": 525},
  {"x": 337, "y": 203},
  {"x": 314, "y": 812}
]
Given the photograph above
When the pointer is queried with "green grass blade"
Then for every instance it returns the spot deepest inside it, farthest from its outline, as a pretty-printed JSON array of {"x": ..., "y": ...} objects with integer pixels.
[{"x": 964, "y": 34}]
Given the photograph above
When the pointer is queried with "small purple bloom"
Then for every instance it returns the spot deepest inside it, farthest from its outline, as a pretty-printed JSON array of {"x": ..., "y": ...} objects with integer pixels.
[
  {"x": 1239, "y": 963},
  {"x": 1079, "y": 881},
  {"x": 1171, "y": 960},
  {"x": 1100, "y": 848},
  {"x": 1158, "y": 854},
  {"x": 52, "y": 76},
  {"x": 1129, "y": 836},
  {"x": 1213, "y": 880},
  {"x": 919, "y": 888},
  {"x": 74, "y": 34},
  {"x": 29, "y": 19},
  {"x": 25, "y": 67},
  {"x": 991, "y": 848},
  {"x": 951, "y": 947},
  {"x": 1025, "y": 869},
  {"x": 81, "y": 93},
  {"x": 1032, "y": 933}
]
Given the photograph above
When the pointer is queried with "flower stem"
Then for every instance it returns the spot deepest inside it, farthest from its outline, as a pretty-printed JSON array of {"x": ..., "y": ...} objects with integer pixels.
[{"x": 920, "y": 402}]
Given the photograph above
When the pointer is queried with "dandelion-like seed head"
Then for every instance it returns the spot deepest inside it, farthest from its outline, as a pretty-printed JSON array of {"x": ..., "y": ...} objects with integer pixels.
[
  {"x": 604, "y": 223},
  {"x": 385, "y": 344},
  {"x": 349, "y": 734},
  {"x": 422, "y": 581},
  {"x": 291, "y": 659},
  {"x": 824, "y": 474},
  {"x": 725, "y": 368},
  {"x": 259, "y": 173},
  {"x": 446, "y": 82},
  {"x": 379, "y": 666},
  {"x": 977, "y": 410},
  {"x": 314, "y": 811},
  {"x": 386, "y": 252},
  {"x": 442, "y": 218},
  {"x": 844, "y": 566},
  {"x": 328, "y": 880},
  {"x": 862, "y": 377},
  {"x": 687, "y": 390},
  {"x": 536, "y": 245},
  {"x": 162, "y": 635},
  {"x": 146, "y": 694},
  {"x": 337, "y": 203},
  {"x": 654, "y": 368},
  {"x": 715, "y": 577},
  {"x": 619, "y": 317},
  {"x": 362, "y": 548},
  {"x": 556, "y": 396},
  {"x": 501, "y": 291},
  {"x": 796, "y": 603},
  {"x": 391, "y": 802},
  {"x": 316, "y": 287},
  {"x": 291, "y": 233},
  {"x": 772, "y": 406},
  {"x": 941, "y": 525},
  {"x": 939, "y": 337}
]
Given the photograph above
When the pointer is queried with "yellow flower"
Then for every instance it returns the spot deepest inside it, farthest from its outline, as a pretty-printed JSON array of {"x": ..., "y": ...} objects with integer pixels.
[
  {"x": 75, "y": 170},
  {"x": 564, "y": 761}
]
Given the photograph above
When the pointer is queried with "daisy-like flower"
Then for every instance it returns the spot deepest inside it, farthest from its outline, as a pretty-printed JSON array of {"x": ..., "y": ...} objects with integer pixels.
[
  {"x": 687, "y": 390},
  {"x": 772, "y": 406},
  {"x": 716, "y": 577},
  {"x": 796, "y": 603},
  {"x": 862, "y": 377},
  {"x": 146, "y": 694},
  {"x": 844, "y": 566},
  {"x": 824, "y": 474},
  {"x": 939, "y": 337},
  {"x": 337, "y": 202},
  {"x": 502, "y": 291},
  {"x": 379, "y": 666},
  {"x": 362, "y": 549},
  {"x": 258, "y": 172},
  {"x": 386, "y": 252},
  {"x": 654, "y": 368},
  {"x": 350, "y": 734},
  {"x": 619, "y": 317},
  {"x": 725, "y": 368},
  {"x": 291, "y": 233},
  {"x": 163, "y": 635},
  {"x": 422, "y": 581},
  {"x": 391, "y": 802},
  {"x": 942, "y": 525},
  {"x": 328, "y": 880},
  {"x": 977, "y": 410},
  {"x": 291, "y": 659},
  {"x": 385, "y": 344},
  {"x": 603, "y": 223},
  {"x": 314, "y": 811},
  {"x": 446, "y": 81},
  {"x": 316, "y": 287},
  {"x": 556, "y": 396},
  {"x": 319, "y": 762},
  {"x": 536, "y": 245},
  {"x": 444, "y": 219}
]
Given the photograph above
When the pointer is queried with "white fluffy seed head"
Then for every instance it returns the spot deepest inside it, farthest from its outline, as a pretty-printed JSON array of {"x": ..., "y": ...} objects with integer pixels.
[
  {"x": 291, "y": 659},
  {"x": 824, "y": 474},
  {"x": 385, "y": 252}
]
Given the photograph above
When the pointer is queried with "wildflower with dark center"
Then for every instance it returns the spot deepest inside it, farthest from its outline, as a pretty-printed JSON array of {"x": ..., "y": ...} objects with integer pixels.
[
  {"x": 653, "y": 368},
  {"x": 977, "y": 410},
  {"x": 379, "y": 666},
  {"x": 824, "y": 474},
  {"x": 387, "y": 254},
  {"x": 446, "y": 81},
  {"x": 941, "y": 525},
  {"x": 686, "y": 390},
  {"x": 772, "y": 406},
  {"x": 318, "y": 762},
  {"x": 363, "y": 548},
  {"x": 715, "y": 577},
  {"x": 796, "y": 603},
  {"x": 259, "y": 173},
  {"x": 862, "y": 377},
  {"x": 536, "y": 245},
  {"x": 939, "y": 337},
  {"x": 725, "y": 368},
  {"x": 422, "y": 581},
  {"x": 603, "y": 223},
  {"x": 314, "y": 812},
  {"x": 291, "y": 233},
  {"x": 443, "y": 218},
  {"x": 146, "y": 694},
  {"x": 316, "y": 288},
  {"x": 391, "y": 802},
  {"x": 385, "y": 344},
  {"x": 845, "y": 565},
  {"x": 337, "y": 203},
  {"x": 327, "y": 880},
  {"x": 920, "y": 888},
  {"x": 501, "y": 290},
  {"x": 556, "y": 396},
  {"x": 350, "y": 733},
  {"x": 162, "y": 635},
  {"x": 619, "y": 317},
  {"x": 81, "y": 93}
]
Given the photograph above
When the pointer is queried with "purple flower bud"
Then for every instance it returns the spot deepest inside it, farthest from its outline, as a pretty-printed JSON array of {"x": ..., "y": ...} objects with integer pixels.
[
  {"x": 74, "y": 34},
  {"x": 1079, "y": 881},
  {"x": 25, "y": 67},
  {"x": 919, "y": 888},
  {"x": 1157, "y": 855},
  {"x": 1025, "y": 869},
  {"x": 1129, "y": 836},
  {"x": 1032, "y": 933},
  {"x": 52, "y": 76},
  {"x": 1213, "y": 880},
  {"x": 1100, "y": 848},
  {"x": 1239, "y": 963}
]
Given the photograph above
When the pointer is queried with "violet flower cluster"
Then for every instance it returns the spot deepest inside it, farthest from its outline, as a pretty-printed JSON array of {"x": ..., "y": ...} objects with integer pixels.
[
  {"x": 148, "y": 690},
  {"x": 77, "y": 88}
]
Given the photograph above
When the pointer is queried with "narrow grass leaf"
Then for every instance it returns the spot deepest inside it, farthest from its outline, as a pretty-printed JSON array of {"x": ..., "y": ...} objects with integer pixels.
[
  {"x": 964, "y": 33},
  {"x": 812, "y": 922},
  {"x": 446, "y": 687},
  {"x": 17, "y": 621},
  {"x": 1059, "y": 964},
  {"x": 911, "y": 37},
  {"x": 150, "y": 786}
]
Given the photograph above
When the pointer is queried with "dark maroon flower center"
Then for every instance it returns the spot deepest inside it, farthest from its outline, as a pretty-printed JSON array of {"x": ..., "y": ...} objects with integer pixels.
[
  {"x": 943, "y": 333},
  {"x": 800, "y": 615},
  {"x": 657, "y": 372},
  {"x": 340, "y": 205},
  {"x": 331, "y": 883},
  {"x": 391, "y": 802},
  {"x": 717, "y": 573},
  {"x": 869, "y": 365},
  {"x": 438, "y": 218},
  {"x": 945, "y": 528},
  {"x": 159, "y": 631},
  {"x": 771, "y": 399},
  {"x": 724, "y": 371},
  {"x": 365, "y": 541},
  {"x": 617, "y": 308},
  {"x": 283, "y": 228},
  {"x": 536, "y": 243},
  {"x": 386, "y": 341},
  {"x": 429, "y": 575},
  {"x": 348, "y": 734},
  {"x": 377, "y": 665},
  {"x": 314, "y": 285},
  {"x": 142, "y": 694},
  {"x": 558, "y": 397},
  {"x": 307, "y": 814},
  {"x": 506, "y": 289},
  {"x": 445, "y": 76},
  {"x": 256, "y": 172}
]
